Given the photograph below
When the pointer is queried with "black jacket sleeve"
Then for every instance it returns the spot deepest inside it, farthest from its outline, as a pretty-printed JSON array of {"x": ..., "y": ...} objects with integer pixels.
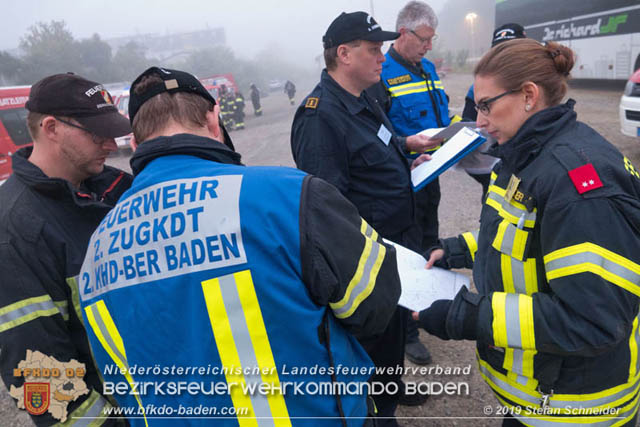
[{"x": 345, "y": 263}]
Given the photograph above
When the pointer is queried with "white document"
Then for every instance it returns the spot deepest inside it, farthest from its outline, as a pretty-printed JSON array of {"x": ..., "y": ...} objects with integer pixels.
[
  {"x": 421, "y": 287},
  {"x": 445, "y": 155}
]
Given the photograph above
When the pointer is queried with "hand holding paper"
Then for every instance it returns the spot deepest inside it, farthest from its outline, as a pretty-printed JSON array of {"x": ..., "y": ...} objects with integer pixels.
[{"x": 421, "y": 287}]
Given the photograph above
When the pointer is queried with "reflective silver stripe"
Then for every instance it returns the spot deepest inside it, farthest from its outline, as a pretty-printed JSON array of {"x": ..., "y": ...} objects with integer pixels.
[
  {"x": 512, "y": 320},
  {"x": 517, "y": 275},
  {"x": 518, "y": 365},
  {"x": 107, "y": 336},
  {"x": 366, "y": 275},
  {"x": 593, "y": 258},
  {"x": 92, "y": 413},
  {"x": 246, "y": 352},
  {"x": 554, "y": 402},
  {"x": 369, "y": 231},
  {"x": 41, "y": 306},
  {"x": 511, "y": 209},
  {"x": 508, "y": 239}
]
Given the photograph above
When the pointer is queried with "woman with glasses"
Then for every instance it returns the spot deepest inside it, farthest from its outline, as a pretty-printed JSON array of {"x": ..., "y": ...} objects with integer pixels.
[{"x": 556, "y": 260}]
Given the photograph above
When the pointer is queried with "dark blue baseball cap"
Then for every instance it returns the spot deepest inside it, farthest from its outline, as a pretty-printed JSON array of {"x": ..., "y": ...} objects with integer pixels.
[{"x": 355, "y": 26}]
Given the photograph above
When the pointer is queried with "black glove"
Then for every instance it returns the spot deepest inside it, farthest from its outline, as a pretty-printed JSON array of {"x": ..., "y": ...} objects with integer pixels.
[{"x": 434, "y": 318}]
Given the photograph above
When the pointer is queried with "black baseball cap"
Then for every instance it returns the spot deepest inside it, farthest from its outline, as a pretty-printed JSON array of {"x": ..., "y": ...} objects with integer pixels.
[
  {"x": 87, "y": 102},
  {"x": 355, "y": 26},
  {"x": 173, "y": 81},
  {"x": 508, "y": 32}
]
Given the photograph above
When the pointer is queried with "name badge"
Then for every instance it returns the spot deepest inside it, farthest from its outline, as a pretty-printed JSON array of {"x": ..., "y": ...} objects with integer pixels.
[{"x": 384, "y": 134}]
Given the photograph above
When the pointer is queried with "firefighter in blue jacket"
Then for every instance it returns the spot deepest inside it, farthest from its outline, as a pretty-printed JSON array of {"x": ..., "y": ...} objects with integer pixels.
[
  {"x": 416, "y": 101},
  {"x": 556, "y": 259},
  {"x": 253, "y": 278}
]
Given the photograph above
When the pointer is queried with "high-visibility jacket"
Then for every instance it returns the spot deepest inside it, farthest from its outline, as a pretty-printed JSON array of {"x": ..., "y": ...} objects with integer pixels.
[
  {"x": 557, "y": 268},
  {"x": 45, "y": 226},
  {"x": 243, "y": 274},
  {"x": 418, "y": 100}
]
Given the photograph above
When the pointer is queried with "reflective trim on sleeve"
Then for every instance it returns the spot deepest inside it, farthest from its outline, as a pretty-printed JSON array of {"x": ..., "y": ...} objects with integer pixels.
[
  {"x": 241, "y": 338},
  {"x": 63, "y": 307},
  {"x": 591, "y": 258},
  {"x": 91, "y": 412},
  {"x": 529, "y": 397},
  {"x": 511, "y": 211},
  {"x": 364, "y": 279},
  {"x": 24, "y": 311},
  {"x": 513, "y": 321},
  {"x": 107, "y": 333},
  {"x": 471, "y": 238}
]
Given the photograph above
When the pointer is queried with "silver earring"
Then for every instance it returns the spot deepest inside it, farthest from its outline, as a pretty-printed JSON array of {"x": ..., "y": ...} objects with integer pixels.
[{"x": 527, "y": 107}]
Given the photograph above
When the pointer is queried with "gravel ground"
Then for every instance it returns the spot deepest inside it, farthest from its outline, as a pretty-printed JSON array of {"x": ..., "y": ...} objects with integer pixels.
[{"x": 265, "y": 141}]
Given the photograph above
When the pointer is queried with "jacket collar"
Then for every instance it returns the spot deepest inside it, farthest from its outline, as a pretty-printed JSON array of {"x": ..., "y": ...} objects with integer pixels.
[
  {"x": 353, "y": 104},
  {"x": 534, "y": 134},
  {"x": 187, "y": 144},
  {"x": 95, "y": 188},
  {"x": 414, "y": 68}
]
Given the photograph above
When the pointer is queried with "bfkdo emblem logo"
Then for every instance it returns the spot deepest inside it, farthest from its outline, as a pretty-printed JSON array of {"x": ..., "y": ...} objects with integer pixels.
[{"x": 36, "y": 398}]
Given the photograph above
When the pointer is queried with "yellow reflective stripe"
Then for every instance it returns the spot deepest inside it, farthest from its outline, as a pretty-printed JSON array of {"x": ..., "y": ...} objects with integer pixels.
[
  {"x": 633, "y": 349},
  {"x": 228, "y": 352},
  {"x": 531, "y": 419},
  {"x": 512, "y": 210},
  {"x": 24, "y": 311},
  {"x": 409, "y": 92},
  {"x": 507, "y": 274},
  {"x": 510, "y": 240},
  {"x": 63, "y": 307},
  {"x": 107, "y": 333},
  {"x": 519, "y": 364},
  {"x": 527, "y": 330},
  {"x": 413, "y": 85},
  {"x": 531, "y": 276},
  {"x": 364, "y": 279},
  {"x": 526, "y": 396},
  {"x": 472, "y": 244},
  {"x": 72, "y": 282},
  {"x": 589, "y": 257},
  {"x": 93, "y": 411},
  {"x": 262, "y": 347},
  {"x": 499, "y": 325}
]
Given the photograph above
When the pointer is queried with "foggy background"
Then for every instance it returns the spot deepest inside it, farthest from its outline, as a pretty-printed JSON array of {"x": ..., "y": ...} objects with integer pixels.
[{"x": 257, "y": 41}]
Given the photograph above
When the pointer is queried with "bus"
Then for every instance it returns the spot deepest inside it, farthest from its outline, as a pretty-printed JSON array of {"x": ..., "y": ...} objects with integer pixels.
[{"x": 604, "y": 34}]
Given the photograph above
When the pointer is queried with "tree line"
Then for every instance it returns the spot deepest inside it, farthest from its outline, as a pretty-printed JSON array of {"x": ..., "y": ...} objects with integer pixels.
[{"x": 50, "y": 48}]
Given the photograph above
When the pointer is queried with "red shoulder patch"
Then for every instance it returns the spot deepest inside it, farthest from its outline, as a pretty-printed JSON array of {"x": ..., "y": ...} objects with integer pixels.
[{"x": 585, "y": 178}]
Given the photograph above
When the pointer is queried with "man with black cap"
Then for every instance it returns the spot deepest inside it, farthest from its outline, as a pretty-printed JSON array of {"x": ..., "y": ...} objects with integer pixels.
[
  {"x": 59, "y": 192},
  {"x": 256, "y": 276},
  {"x": 342, "y": 135}
]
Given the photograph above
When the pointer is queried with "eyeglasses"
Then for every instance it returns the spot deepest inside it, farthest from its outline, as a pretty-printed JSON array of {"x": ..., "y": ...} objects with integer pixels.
[
  {"x": 483, "y": 106},
  {"x": 425, "y": 40},
  {"x": 98, "y": 140}
]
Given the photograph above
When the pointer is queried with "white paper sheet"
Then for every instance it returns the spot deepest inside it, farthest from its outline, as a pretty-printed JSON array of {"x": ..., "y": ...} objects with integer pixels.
[{"x": 421, "y": 287}]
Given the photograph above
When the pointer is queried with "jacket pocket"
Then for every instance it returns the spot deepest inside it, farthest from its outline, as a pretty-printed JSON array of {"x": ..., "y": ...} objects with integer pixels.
[{"x": 375, "y": 153}]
